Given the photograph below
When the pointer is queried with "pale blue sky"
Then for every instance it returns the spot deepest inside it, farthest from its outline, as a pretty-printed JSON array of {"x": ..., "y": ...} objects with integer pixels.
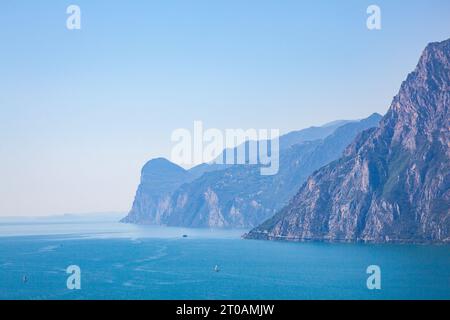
[{"x": 82, "y": 111}]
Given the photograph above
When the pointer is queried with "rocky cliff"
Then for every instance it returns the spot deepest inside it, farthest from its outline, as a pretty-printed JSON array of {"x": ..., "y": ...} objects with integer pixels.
[
  {"x": 392, "y": 183},
  {"x": 238, "y": 195},
  {"x": 159, "y": 178}
]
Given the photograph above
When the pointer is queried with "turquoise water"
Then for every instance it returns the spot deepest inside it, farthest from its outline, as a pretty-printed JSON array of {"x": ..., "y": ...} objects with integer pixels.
[{"x": 127, "y": 262}]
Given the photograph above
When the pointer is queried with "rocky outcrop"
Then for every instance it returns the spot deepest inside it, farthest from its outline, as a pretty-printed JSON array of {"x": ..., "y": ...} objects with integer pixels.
[
  {"x": 392, "y": 183},
  {"x": 239, "y": 196},
  {"x": 159, "y": 179}
]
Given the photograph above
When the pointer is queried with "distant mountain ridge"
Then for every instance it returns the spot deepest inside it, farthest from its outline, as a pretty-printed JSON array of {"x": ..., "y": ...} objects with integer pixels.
[
  {"x": 393, "y": 182},
  {"x": 237, "y": 196}
]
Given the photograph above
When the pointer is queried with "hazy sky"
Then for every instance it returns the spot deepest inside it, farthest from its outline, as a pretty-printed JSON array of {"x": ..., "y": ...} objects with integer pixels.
[{"x": 82, "y": 111}]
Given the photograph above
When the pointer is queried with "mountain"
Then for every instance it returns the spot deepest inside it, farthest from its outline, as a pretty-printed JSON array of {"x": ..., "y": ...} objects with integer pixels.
[
  {"x": 289, "y": 139},
  {"x": 238, "y": 195},
  {"x": 310, "y": 134},
  {"x": 392, "y": 184},
  {"x": 159, "y": 178}
]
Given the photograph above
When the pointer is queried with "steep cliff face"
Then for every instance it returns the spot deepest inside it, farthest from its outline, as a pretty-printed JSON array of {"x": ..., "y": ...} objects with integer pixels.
[
  {"x": 239, "y": 196},
  {"x": 160, "y": 179},
  {"x": 393, "y": 182}
]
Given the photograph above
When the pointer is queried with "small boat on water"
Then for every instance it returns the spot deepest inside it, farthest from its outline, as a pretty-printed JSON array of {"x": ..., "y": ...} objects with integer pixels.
[
  {"x": 185, "y": 235},
  {"x": 216, "y": 268},
  {"x": 24, "y": 279}
]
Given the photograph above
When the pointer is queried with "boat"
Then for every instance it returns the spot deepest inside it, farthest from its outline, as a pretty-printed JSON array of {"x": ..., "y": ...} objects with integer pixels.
[{"x": 216, "y": 268}]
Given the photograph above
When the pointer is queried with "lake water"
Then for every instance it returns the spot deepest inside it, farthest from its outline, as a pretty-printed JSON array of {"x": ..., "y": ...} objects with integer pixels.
[{"x": 121, "y": 261}]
